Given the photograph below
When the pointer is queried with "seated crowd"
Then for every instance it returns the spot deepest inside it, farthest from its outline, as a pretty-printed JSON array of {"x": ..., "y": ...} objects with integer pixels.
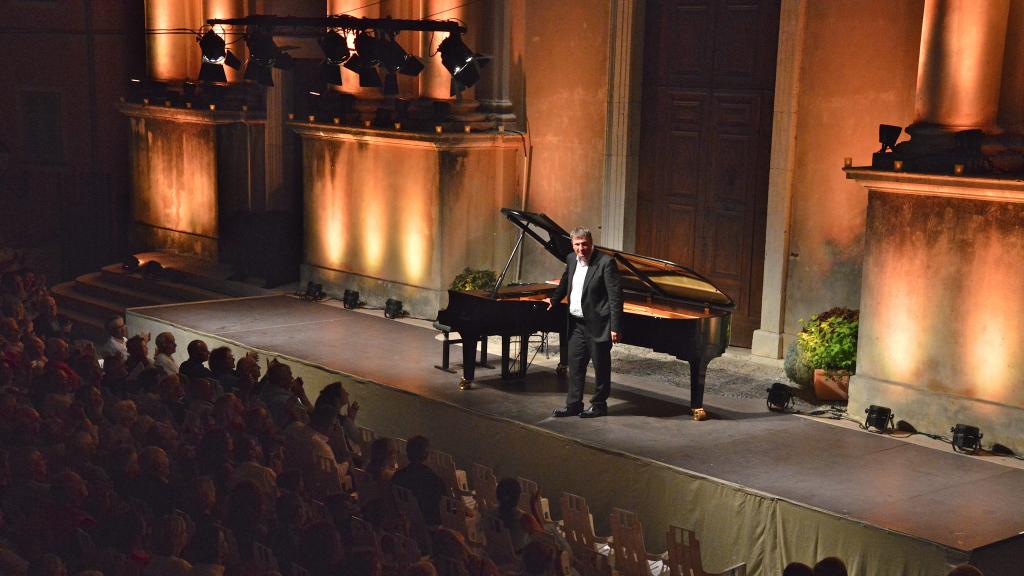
[{"x": 117, "y": 462}]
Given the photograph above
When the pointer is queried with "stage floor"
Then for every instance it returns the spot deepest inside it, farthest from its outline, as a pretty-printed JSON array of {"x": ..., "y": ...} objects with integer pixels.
[{"x": 958, "y": 503}]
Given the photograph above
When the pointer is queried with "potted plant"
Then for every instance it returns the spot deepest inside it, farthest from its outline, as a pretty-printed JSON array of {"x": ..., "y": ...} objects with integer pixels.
[
  {"x": 829, "y": 343},
  {"x": 471, "y": 279}
]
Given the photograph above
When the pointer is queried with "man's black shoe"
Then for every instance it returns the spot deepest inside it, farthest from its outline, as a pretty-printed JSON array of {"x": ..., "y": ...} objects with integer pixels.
[
  {"x": 568, "y": 411},
  {"x": 594, "y": 411}
]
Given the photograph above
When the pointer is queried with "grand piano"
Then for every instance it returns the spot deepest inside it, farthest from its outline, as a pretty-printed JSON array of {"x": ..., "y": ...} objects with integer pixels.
[{"x": 667, "y": 308}]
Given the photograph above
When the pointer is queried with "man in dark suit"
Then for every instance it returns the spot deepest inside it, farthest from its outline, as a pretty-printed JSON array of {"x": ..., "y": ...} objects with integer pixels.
[{"x": 591, "y": 280}]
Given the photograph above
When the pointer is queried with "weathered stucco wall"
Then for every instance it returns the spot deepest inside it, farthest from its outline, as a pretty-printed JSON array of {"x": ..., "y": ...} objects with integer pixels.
[
  {"x": 858, "y": 70},
  {"x": 174, "y": 176},
  {"x": 560, "y": 87},
  {"x": 400, "y": 217}
]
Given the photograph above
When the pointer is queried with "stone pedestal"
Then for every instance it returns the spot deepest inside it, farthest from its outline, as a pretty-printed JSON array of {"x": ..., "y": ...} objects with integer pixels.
[
  {"x": 399, "y": 215},
  {"x": 190, "y": 169},
  {"x": 941, "y": 315}
]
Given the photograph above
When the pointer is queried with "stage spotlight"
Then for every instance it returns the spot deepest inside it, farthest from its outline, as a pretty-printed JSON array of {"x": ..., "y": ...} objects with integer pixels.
[
  {"x": 888, "y": 135},
  {"x": 336, "y": 53},
  {"x": 369, "y": 49},
  {"x": 879, "y": 417},
  {"x": 264, "y": 55},
  {"x": 966, "y": 438},
  {"x": 780, "y": 397},
  {"x": 350, "y": 300},
  {"x": 390, "y": 87},
  {"x": 462, "y": 63},
  {"x": 395, "y": 59},
  {"x": 393, "y": 308},
  {"x": 368, "y": 75},
  {"x": 215, "y": 56}
]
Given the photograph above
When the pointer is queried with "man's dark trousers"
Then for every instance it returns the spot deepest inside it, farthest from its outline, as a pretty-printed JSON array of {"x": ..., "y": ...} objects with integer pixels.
[{"x": 581, "y": 351}]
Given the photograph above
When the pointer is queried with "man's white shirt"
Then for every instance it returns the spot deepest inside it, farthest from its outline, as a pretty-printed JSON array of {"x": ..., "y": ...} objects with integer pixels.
[{"x": 576, "y": 292}]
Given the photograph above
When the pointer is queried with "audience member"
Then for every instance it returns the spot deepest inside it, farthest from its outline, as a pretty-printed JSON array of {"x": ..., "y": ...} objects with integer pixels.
[
  {"x": 965, "y": 570},
  {"x": 797, "y": 569},
  {"x": 194, "y": 367},
  {"x": 115, "y": 342},
  {"x": 830, "y": 566},
  {"x": 423, "y": 482},
  {"x": 222, "y": 365},
  {"x": 165, "y": 349},
  {"x": 520, "y": 525},
  {"x": 138, "y": 356}
]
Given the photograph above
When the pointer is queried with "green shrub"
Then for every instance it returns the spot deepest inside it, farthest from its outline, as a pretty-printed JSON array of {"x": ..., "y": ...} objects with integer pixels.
[
  {"x": 829, "y": 340},
  {"x": 470, "y": 279}
]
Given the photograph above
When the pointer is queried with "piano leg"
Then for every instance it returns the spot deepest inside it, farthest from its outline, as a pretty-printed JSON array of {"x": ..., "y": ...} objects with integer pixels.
[
  {"x": 698, "y": 370},
  {"x": 468, "y": 359}
]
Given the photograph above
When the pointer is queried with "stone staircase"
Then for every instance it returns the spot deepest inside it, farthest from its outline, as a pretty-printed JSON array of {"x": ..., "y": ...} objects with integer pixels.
[{"x": 93, "y": 298}]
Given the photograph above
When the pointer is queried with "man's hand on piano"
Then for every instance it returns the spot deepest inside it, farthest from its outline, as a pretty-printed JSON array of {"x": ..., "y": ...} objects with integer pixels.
[
  {"x": 615, "y": 337},
  {"x": 548, "y": 301}
]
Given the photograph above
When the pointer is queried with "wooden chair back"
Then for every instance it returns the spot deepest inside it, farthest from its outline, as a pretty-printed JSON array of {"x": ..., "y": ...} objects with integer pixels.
[
  {"x": 578, "y": 524},
  {"x": 367, "y": 489},
  {"x": 363, "y": 535},
  {"x": 366, "y": 438},
  {"x": 592, "y": 563},
  {"x": 627, "y": 543},
  {"x": 443, "y": 464},
  {"x": 485, "y": 485},
  {"x": 527, "y": 488},
  {"x": 684, "y": 558},
  {"x": 453, "y": 515},
  {"x": 409, "y": 507},
  {"x": 403, "y": 457},
  {"x": 499, "y": 542}
]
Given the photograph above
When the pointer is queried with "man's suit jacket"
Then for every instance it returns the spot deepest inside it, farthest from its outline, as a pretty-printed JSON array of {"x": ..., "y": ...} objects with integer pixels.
[{"x": 602, "y": 295}]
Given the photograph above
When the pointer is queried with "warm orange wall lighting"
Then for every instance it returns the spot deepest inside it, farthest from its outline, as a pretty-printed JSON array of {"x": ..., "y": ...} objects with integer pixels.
[
  {"x": 899, "y": 313},
  {"x": 176, "y": 176},
  {"x": 993, "y": 322},
  {"x": 377, "y": 221}
]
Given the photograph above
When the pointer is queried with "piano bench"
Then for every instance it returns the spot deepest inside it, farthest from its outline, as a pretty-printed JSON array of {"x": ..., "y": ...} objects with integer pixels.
[{"x": 446, "y": 353}]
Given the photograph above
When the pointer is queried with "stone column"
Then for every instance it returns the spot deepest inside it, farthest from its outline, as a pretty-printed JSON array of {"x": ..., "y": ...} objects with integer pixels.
[
  {"x": 493, "y": 89},
  {"x": 1011, "y": 95},
  {"x": 172, "y": 57},
  {"x": 960, "y": 66}
]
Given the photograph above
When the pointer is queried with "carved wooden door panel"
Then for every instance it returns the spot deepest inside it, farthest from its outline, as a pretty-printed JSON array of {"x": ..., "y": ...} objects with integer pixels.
[{"x": 709, "y": 79}]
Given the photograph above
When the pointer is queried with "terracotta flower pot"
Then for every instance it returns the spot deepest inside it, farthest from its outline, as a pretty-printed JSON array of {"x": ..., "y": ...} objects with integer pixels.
[{"x": 831, "y": 384}]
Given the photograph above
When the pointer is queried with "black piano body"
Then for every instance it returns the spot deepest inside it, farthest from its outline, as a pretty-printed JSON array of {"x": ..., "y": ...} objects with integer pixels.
[{"x": 668, "y": 308}]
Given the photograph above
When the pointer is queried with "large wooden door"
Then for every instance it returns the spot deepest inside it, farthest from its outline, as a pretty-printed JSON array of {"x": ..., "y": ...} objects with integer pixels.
[{"x": 709, "y": 78}]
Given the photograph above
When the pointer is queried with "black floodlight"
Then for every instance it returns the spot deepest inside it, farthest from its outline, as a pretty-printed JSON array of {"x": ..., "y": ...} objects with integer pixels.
[
  {"x": 879, "y": 418},
  {"x": 369, "y": 49},
  {"x": 215, "y": 56},
  {"x": 780, "y": 397},
  {"x": 350, "y": 300},
  {"x": 888, "y": 135},
  {"x": 393, "y": 308},
  {"x": 462, "y": 63},
  {"x": 395, "y": 59},
  {"x": 263, "y": 55},
  {"x": 966, "y": 438},
  {"x": 335, "y": 48}
]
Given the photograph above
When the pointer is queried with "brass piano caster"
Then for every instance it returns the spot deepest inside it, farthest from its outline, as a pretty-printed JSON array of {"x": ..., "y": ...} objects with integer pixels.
[
  {"x": 465, "y": 384},
  {"x": 562, "y": 371},
  {"x": 699, "y": 414}
]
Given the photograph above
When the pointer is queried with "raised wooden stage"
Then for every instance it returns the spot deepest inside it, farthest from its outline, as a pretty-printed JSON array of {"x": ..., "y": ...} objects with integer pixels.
[{"x": 758, "y": 487}]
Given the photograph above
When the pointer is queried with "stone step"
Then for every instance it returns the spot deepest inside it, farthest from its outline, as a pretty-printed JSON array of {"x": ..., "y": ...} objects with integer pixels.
[
  {"x": 85, "y": 326},
  {"x": 95, "y": 285},
  {"x": 171, "y": 290},
  {"x": 69, "y": 298},
  {"x": 206, "y": 274}
]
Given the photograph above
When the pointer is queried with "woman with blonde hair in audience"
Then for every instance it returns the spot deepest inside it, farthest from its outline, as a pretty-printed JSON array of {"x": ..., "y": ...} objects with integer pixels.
[
  {"x": 383, "y": 461},
  {"x": 170, "y": 535}
]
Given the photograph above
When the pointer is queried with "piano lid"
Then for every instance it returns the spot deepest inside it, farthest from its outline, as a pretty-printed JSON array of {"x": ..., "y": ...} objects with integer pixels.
[{"x": 642, "y": 274}]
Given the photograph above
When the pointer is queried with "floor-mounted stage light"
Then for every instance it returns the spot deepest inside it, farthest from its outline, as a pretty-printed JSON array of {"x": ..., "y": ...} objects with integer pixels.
[
  {"x": 462, "y": 63},
  {"x": 879, "y": 418},
  {"x": 966, "y": 438},
  {"x": 780, "y": 397},
  {"x": 393, "y": 308},
  {"x": 350, "y": 300},
  {"x": 215, "y": 56},
  {"x": 887, "y": 136}
]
